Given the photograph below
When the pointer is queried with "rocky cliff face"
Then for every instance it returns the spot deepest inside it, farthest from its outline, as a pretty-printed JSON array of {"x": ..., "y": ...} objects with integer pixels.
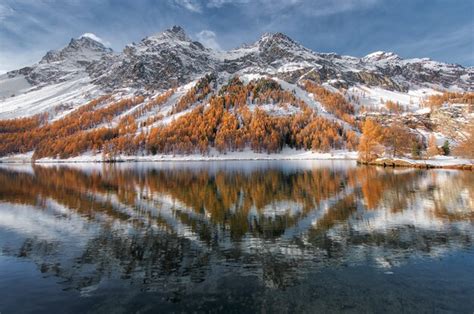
[{"x": 163, "y": 60}]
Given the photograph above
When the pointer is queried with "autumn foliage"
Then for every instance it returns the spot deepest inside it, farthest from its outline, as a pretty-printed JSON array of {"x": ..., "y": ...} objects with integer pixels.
[
  {"x": 432, "y": 149},
  {"x": 259, "y": 115},
  {"x": 370, "y": 145},
  {"x": 228, "y": 123},
  {"x": 466, "y": 147},
  {"x": 334, "y": 103},
  {"x": 398, "y": 139},
  {"x": 395, "y": 140},
  {"x": 22, "y": 124},
  {"x": 70, "y": 135},
  {"x": 436, "y": 101},
  {"x": 393, "y": 107},
  {"x": 196, "y": 94}
]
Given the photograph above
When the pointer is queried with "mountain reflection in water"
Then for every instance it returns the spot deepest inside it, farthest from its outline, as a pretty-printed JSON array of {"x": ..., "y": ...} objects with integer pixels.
[{"x": 207, "y": 229}]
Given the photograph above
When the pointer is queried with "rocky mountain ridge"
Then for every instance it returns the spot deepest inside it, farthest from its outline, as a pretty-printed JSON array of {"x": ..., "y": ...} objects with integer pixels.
[{"x": 171, "y": 59}]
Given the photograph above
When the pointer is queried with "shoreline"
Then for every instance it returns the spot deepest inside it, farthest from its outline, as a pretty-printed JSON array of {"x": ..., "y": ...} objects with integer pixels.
[
  {"x": 439, "y": 162},
  {"x": 178, "y": 159},
  {"x": 246, "y": 155},
  {"x": 417, "y": 164}
]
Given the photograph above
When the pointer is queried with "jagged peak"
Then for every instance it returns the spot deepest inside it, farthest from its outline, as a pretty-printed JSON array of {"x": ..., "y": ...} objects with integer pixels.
[
  {"x": 173, "y": 33},
  {"x": 94, "y": 38},
  {"x": 381, "y": 56},
  {"x": 178, "y": 31},
  {"x": 275, "y": 37},
  {"x": 85, "y": 46},
  {"x": 267, "y": 40},
  {"x": 88, "y": 41},
  {"x": 174, "y": 36}
]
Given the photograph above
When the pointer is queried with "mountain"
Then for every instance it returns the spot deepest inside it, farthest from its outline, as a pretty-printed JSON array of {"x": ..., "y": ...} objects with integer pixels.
[
  {"x": 159, "y": 61},
  {"x": 171, "y": 58},
  {"x": 60, "y": 79},
  {"x": 64, "y": 64},
  {"x": 172, "y": 75}
]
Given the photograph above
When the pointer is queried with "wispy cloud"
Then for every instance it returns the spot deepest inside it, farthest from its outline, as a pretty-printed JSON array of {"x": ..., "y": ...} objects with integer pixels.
[
  {"x": 266, "y": 7},
  {"x": 28, "y": 28},
  {"x": 330, "y": 7},
  {"x": 220, "y": 3},
  {"x": 457, "y": 39},
  {"x": 5, "y": 11},
  {"x": 191, "y": 5},
  {"x": 96, "y": 38},
  {"x": 209, "y": 39}
]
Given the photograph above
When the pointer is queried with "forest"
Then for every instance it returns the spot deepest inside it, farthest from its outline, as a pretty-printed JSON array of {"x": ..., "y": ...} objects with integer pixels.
[
  {"x": 233, "y": 121},
  {"x": 259, "y": 115}
]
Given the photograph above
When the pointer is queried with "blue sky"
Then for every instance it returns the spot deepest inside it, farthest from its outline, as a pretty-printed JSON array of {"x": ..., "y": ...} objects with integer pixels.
[{"x": 440, "y": 29}]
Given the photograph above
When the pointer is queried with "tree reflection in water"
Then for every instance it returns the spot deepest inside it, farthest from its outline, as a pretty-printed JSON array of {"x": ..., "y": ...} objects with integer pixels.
[{"x": 171, "y": 227}]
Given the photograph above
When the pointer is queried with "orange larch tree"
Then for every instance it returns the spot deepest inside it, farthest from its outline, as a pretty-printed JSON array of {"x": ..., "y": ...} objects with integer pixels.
[{"x": 370, "y": 144}]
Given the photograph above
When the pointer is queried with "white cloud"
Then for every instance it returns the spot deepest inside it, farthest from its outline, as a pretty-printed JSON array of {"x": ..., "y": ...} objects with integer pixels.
[
  {"x": 96, "y": 38},
  {"x": 191, "y": 5},
  {"x": 220, "y": 3},
  {"x": 276, "y": 7},
  {"x": 209, "y": 39},
  {"x": 329, "y": 7}
]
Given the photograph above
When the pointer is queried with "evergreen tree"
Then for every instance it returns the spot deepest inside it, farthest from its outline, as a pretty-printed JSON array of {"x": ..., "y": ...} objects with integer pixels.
[{"x": 446, "y": 149}]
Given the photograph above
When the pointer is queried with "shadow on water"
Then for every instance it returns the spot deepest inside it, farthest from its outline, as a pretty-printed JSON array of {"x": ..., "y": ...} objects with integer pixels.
[{"x": 236, "y": 236}]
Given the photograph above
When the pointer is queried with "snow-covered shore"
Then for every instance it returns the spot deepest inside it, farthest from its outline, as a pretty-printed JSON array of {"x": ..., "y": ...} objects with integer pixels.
[{"x": 285, "y": 154}]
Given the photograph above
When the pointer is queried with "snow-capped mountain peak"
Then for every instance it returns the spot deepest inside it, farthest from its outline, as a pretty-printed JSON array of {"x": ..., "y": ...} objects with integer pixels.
[
  {"x": 94, "y": 37},
  {"x": 280, "y": 41},
  {"x": 172, "y": 36},
  {"x": 177, "y": 32},
  {"x": 161, "y": 60},
  {"x": 172, "y": 59},
  {"x": 85, "y": 48},
  {"x": 381, "y": 56},
  {"x": 275, "y": 38}
]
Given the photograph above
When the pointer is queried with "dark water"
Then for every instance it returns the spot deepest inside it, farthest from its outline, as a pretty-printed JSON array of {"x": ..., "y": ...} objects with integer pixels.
[{"x": 235, "y": 237}]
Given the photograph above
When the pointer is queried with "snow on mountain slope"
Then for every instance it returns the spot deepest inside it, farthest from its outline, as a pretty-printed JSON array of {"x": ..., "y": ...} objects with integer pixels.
[
  {"x": 375, "y": 97},
  {"x": 309, "y": 99},
  {"x": 9, "y": 87},
  {"x": 381, "y": 56},
  {"x": 52, "y": 99},
  {"x": 58, "y": 82}
]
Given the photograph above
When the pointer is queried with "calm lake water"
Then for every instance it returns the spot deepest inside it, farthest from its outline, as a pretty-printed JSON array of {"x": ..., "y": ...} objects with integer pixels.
[{"x": 280, "y": 236}]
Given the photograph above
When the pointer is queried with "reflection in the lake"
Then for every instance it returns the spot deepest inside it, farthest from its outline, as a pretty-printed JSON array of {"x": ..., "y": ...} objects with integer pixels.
[{"x": 180, "y": 230}]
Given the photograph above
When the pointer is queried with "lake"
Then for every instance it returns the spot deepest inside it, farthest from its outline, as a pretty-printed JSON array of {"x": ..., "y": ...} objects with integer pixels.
[{"x": 235, "y": 236}]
